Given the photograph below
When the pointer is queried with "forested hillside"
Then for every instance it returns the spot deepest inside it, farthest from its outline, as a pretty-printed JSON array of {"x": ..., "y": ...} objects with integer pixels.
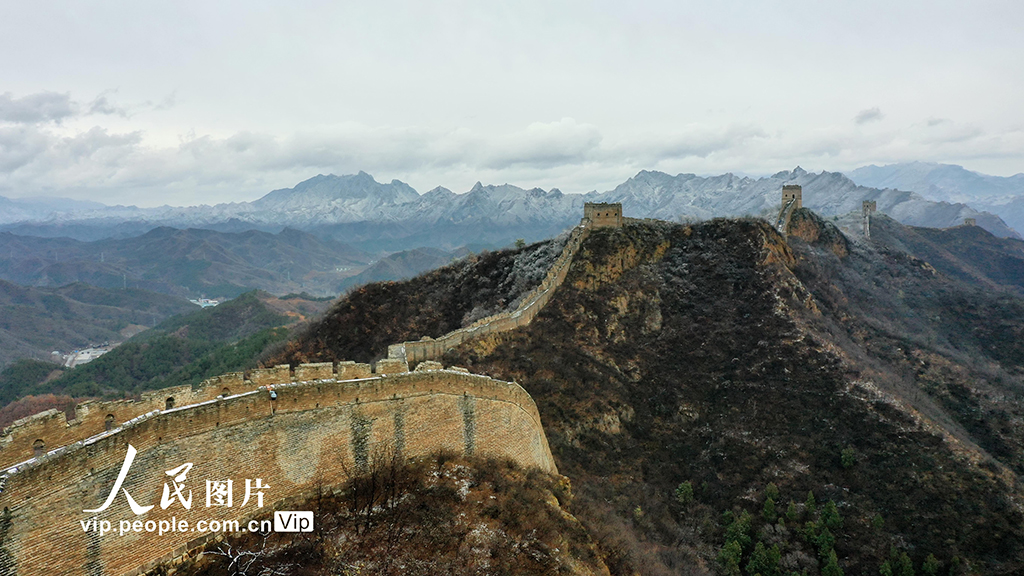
[{"x": 725, "y": 401}]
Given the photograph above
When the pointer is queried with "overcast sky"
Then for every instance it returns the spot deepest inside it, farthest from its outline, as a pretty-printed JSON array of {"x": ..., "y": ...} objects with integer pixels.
[{"x": 189, "y": 102}]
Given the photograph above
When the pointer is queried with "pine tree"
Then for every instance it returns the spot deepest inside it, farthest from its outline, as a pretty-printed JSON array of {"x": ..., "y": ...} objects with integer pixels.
[
  {"x": 772, "y": 491},
  {"x": 830, "y": 516},
  {"x": 885, "y": 569},
  {"x": 739, "y": 530},
  {"x": 769, "y": 510},
  {"x": 811, "y": 504},
  {"x": 757, "y": 560},
  {"x": 729, "y": 557},
  {"x": 930, "y": 566},
  {"x": 904, "y": 566},
  {"x": 764, "y": 561},
  {"x": 825, "y": 541},
  {"x": 832, "y": 566},
  {"x": 791, "y": 513}
]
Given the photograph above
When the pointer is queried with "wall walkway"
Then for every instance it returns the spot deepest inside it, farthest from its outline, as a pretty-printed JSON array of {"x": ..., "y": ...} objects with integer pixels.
[
  {"x": 297, "y": 437},
  {"x": 434, "y": 348}
]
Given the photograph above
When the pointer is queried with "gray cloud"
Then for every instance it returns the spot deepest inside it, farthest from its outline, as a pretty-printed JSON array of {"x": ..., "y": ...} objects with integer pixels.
[
  {"x": 103, "y": 105},
  {"x": 868, "y": 115},
  {"x": 44, "y": 107},
  {"x": 38, "y": 107},
  {"x": 572, "y": 155},
  {"x": 537, "y": 93}
]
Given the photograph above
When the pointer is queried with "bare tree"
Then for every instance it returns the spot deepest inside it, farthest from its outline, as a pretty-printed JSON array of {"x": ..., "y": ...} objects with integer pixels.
[{"x": 244, "y": 561}]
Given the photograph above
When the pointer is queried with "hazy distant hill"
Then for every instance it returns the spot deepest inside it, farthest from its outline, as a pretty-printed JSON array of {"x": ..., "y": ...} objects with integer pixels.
[
  {"x": 1003, "y": 196},
  {"x": 401, "y": 265},
  {"x": 37, "y": 321},
  {"x": 183, "y": 349},
  {"x": 947, "y": 182},
  {"x": 39, "y": 208},
  {"x": 966, "y": 253},
  {"x": 182, "y": 262},
  {"x": 374, "y": 216}
]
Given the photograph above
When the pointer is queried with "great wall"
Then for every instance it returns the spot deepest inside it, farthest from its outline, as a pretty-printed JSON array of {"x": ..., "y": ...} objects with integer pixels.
[{"x": 296, "y": 430}]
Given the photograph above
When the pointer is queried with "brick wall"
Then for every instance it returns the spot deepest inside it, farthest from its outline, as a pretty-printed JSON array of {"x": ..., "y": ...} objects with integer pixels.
[
  {"x": 314, "y": 433},
  {"x": 530, "y": 306}
]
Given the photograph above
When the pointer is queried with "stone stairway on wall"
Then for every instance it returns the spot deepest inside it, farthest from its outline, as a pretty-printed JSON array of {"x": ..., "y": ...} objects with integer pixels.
[
  {"x": 782, "y": 222},
  {"x": 434, "y": 348}
]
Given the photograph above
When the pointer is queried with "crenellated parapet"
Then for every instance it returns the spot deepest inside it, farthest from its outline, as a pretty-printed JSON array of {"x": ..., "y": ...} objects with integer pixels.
[
  {"x": 41, "y": 433},
  {"x": 296, "y": 435}
]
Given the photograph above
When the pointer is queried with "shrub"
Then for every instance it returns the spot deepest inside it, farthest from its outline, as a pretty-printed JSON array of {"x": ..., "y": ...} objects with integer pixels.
[
  {"x": 847, "y": 457},
  {"x": 684, "y": 493}
]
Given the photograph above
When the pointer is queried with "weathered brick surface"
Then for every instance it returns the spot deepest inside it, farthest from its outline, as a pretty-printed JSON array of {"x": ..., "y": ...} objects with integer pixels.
[
  {"x": 92, "y": 417},
  {"x": 304, "y": 438},
  {"x": 318, "y": 371},
  {"x": 268, "y": 376},
  {"x": 391, "y": 366}
]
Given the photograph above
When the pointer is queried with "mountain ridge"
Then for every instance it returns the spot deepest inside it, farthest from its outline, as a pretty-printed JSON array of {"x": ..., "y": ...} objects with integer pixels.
[
  {"x": 377, "y": 216},
  {"x": 1000, "y": 195}
]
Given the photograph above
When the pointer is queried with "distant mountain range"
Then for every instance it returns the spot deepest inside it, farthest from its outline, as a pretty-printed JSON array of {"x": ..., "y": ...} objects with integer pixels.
[
  {"x": 1000, "y": 195},
  {"x": 188, "y": 263},
  {"x": 41, "y": 208},
  {"x": 374, "y": 216}
]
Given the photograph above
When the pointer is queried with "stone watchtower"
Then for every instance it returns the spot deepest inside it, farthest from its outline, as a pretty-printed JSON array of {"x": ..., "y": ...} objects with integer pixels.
[
  {"x": 793, "y": 192},
  {"x": 792, "y": 199},
  {"x": 970, "y": 222},
  {"x": 602, "y": 214},
  {"x": 868, "y": 207}
]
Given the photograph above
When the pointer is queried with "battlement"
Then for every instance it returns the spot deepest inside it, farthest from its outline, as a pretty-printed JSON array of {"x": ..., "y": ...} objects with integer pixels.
[
  {"x": 294, "y": 435},
  {"x": 602, "y": 214},
  {"x": 38, "y": 434}
]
